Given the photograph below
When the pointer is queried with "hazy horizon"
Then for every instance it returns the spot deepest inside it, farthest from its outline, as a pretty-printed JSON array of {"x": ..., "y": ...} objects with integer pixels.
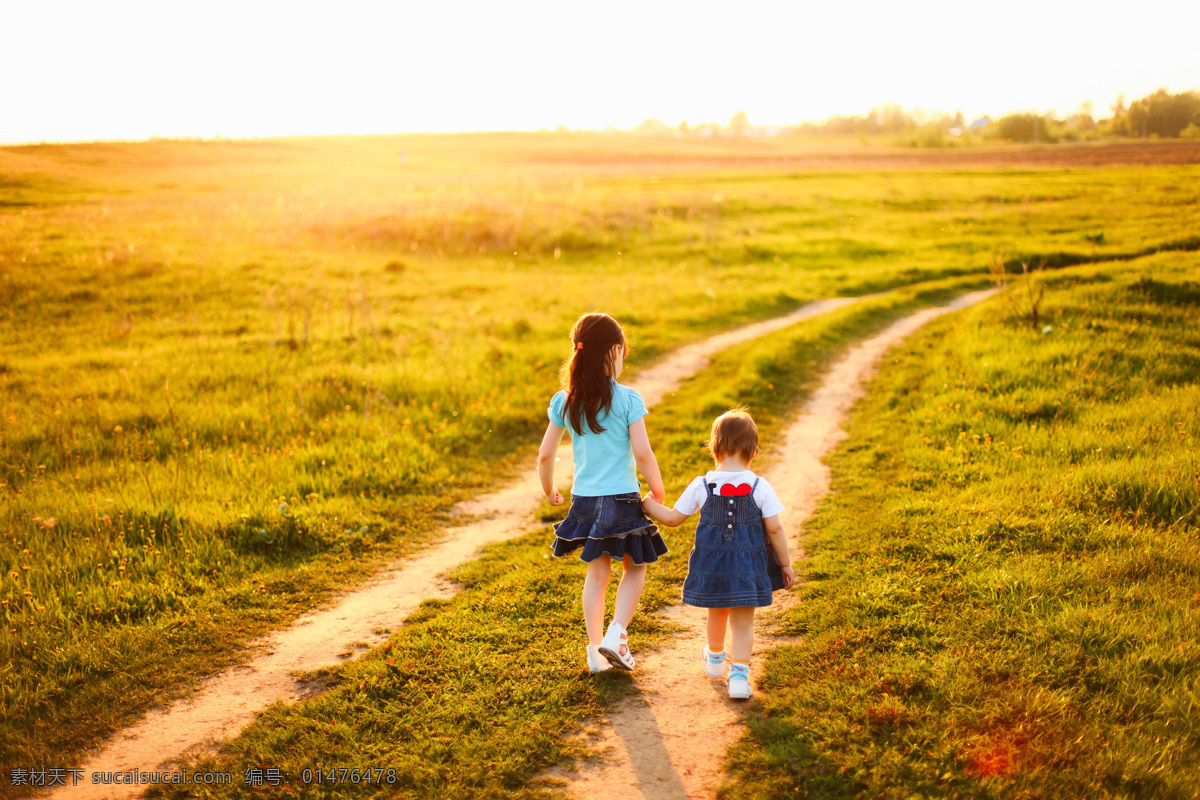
[{"x": 138, "y": 70}]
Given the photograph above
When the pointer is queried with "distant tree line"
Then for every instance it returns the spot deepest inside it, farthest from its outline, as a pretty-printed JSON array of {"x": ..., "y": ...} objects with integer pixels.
[
  {"x": 1157, "y": 115},
  {"x": 890, "y": 118},
  {"x": 1160, "y": 115}
]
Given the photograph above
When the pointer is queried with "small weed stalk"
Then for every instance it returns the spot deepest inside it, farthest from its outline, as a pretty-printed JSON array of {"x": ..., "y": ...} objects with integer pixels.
[
  {"x": 998, "y": 271},
  {"x": 1034, "y": 290}
]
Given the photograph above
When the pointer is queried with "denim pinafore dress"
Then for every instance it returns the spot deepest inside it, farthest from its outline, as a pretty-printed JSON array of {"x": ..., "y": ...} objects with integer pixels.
[{"x": 732, "y": 564}]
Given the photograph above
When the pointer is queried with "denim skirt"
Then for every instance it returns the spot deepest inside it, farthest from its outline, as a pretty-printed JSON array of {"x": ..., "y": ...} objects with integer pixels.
[{"x": 610, "y": 525}]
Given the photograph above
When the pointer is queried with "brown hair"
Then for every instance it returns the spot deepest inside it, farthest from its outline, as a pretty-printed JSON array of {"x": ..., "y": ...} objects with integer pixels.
[
  {"x": 733, "y": 434},
  {"x": 585, "y": 375}
]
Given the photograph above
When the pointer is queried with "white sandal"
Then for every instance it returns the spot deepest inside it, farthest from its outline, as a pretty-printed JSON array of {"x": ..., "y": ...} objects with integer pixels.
[
  {"x": 595, "y": 661},
  {"x": 615, "y": 647}
]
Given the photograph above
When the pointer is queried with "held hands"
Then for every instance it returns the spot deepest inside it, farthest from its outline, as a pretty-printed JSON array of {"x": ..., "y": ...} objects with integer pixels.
[
  {"x": 555, "y": 499},
  {"x": 653, "y": 508}
]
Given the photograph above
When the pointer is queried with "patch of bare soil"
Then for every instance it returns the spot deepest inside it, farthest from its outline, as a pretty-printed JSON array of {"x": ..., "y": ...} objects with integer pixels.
[
  {"x": 1108, "y": 154},
  {"x": 227, "y": 702},
  {"x": 668, "y": 741}
]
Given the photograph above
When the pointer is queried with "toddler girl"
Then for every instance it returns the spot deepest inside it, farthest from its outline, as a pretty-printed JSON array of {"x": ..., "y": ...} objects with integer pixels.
[
  {"x": 609, "y": 439},
  {"x": 741, "y": 553}
]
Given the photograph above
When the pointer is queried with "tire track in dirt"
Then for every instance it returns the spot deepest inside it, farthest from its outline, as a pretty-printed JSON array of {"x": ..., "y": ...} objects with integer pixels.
[
  {"x": 228, "y": 701},
  {"x": 668, "y": 742}
]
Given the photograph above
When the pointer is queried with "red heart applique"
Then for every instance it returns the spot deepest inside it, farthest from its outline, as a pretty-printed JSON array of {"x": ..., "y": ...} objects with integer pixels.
[{"x": 729, "y": 490}]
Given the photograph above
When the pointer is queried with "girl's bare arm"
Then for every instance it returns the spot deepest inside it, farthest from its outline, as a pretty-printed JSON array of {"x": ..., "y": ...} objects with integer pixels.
[
  {"x": 546, "y": 457},
  {"x": 779, "y": 544},
  {"x": 646, "y": 461},
  {"x": 660, "y": 513}
]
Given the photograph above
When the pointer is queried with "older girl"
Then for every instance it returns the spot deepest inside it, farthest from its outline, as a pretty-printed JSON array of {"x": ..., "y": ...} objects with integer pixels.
[{"x": 608, "y": 435}]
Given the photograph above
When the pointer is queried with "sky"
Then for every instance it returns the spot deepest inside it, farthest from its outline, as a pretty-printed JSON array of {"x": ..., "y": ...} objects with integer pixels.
[{"x": 118, "y": 69}]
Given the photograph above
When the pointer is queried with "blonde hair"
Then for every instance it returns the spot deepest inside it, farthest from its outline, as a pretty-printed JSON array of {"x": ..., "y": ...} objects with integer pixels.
[{"x": 733, "y": 434}]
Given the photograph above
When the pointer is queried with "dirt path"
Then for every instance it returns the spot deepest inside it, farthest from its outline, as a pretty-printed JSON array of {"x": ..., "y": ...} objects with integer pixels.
[
  {"x": 668, "y": 742},
  {"x": 227, "y": 702}
]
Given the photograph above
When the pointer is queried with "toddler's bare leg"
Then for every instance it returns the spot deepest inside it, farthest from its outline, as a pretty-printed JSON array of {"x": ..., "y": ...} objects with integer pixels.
[
  {"x": 741, "y": 620},
  {"x": 594, "y": 587},
  {"x": 629, "y": 591},
  {"x": 718, "y": 619}
]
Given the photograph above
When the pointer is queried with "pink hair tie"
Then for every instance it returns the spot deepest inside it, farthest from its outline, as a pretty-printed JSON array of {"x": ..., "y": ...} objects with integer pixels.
[{"x": 579, "y": 345}]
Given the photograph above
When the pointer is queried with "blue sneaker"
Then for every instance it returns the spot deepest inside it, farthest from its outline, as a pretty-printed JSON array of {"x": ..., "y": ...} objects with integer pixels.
[
  {"x": 739, "y": 681},
  {"x": 714, "y": 664}
]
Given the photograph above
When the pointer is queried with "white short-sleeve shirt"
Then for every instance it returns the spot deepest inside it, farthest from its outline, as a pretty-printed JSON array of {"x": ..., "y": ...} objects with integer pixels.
[{"x": 694, "y": 495}]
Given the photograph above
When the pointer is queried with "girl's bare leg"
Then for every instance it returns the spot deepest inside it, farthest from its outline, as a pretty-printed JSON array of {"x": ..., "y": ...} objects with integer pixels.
[
  {"x": 594, "y": 587},
  {"x": 741, "y": 620},
  {"x": 718, "y": 619},
  {"x": 629, "y": 591}
]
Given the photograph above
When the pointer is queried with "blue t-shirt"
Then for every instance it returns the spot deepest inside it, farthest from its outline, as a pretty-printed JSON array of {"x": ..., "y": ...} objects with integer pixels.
[{"x": 604, "y": 462}]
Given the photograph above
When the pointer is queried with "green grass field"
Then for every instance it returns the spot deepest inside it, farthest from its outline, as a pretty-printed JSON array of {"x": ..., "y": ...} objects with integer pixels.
[
  {"x": 1000, "y": 596},
  {"x": 239, "y": 376},
  {"x": 508, "y": 649}
]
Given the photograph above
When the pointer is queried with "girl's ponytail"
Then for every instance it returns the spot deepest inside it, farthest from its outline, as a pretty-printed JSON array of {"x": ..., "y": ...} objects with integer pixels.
[{"x": 585, "y": 375}]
